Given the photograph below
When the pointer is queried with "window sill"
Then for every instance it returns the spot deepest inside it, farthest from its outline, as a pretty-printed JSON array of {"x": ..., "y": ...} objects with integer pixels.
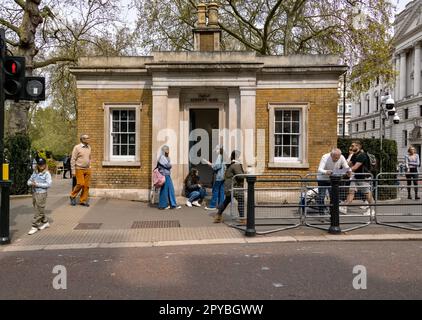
[
  {"x": 298, "y": 165},
  {"x": 121, "y": 163}
]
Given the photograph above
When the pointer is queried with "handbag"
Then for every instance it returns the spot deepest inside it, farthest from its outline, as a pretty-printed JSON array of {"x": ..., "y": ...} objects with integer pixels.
[{"x": 158, "y": 179}]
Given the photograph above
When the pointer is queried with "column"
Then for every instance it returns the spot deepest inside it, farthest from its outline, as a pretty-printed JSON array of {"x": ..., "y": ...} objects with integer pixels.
[
  {"x": 247, "y": 120},
  {"x": 232, "y": 140},
  {"x": 417, "y": 70},
  {"x": 397, "y": 83},
  {"x": 402, "y": 75},
  {"x": 159, "y": 120},
  {"x": 174, "y": 140}
]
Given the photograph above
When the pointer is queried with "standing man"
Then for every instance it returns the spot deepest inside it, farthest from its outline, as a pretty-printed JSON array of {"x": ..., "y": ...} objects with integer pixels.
[
  {"x": 360, "y": 166},
  {"x": 330, "y": 162},
  {"x": 81, "y": 169}
]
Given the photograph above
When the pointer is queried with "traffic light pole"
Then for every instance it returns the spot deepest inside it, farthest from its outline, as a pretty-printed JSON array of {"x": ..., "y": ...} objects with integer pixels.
[{"x": 4, "y": 185}]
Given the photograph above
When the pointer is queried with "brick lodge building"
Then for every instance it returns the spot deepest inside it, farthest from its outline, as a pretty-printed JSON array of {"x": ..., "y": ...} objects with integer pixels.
[{"x": 279, "y": 111}]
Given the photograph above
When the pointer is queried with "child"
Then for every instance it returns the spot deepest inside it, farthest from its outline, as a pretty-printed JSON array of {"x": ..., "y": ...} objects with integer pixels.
[{"x": 40, "y": 181}]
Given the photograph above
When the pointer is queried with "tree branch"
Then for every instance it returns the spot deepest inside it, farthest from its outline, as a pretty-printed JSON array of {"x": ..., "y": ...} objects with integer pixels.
[
  {"x": 234, "y": 35},
  {"x": 47, "y": 62},
  {"x": 20, "y": 3},
  {"x": 7, "y": 24}
]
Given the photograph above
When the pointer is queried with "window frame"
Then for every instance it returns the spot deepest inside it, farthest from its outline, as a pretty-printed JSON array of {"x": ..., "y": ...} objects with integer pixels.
[
  {"x": 109, "y": 159},
  {"x": 287, "y": 162}
]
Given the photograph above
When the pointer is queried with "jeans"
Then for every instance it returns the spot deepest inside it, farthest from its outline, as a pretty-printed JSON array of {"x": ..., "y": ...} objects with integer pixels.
[
  {"x": 412, "y": 177},
  {"x": 217, "y": 194},
  {"x": 167, "y": 195},
  {"x": 197, "y": 195},
  {"x": 323, "y": 187}
]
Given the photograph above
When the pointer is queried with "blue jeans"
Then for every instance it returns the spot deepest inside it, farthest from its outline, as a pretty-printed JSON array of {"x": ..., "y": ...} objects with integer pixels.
[
  {"x": 197, "y": 195},
  {"x": 167, "y": 194},
  {"x": 323, "y": 187},
  {"x": 217, "y": 194}
]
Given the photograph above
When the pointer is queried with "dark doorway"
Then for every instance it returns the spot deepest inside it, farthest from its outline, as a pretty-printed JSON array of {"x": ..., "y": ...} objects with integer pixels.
[
  {"x": 418, "y": 149},
  {"x": 206, "y": 119}
]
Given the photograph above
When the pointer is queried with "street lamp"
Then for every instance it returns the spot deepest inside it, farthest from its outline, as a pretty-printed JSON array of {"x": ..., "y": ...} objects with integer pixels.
[{"x": 385, "y": 113}]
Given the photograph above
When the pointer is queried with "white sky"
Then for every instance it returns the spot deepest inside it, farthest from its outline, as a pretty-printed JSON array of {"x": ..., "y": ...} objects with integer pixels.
[{"x": 400, "y": 4}]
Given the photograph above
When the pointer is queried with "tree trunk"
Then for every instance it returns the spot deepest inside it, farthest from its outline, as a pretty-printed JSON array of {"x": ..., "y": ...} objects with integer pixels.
[{"x": 31, "y": 20}]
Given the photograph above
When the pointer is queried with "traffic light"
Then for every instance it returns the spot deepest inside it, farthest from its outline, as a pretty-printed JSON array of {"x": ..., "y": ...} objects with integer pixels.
[
  {"x": 34, "y": 89},
  {"x": 14, "y": 77},
  {"x": 17, "y": 86}
]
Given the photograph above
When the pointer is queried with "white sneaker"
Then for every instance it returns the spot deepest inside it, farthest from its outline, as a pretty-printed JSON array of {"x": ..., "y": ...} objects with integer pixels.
[
  {"x": 189, "y": 204},
  {"x": 166, "y": 208},
  {"x": 365, "y": 207},
  {"x": 33, "y": 230},
  {"x": 367, "y": 212},
  {"x": 44, "y": 226},
  {"x": 343, "y": 209},
  {"x": 211, "y": 209},
  {"x": 176, "y": 208},
  {"x": 196, "y": 204}
]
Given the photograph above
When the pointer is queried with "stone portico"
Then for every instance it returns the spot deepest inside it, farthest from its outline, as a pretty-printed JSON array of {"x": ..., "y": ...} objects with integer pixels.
[{"x": 279, "y": 111}]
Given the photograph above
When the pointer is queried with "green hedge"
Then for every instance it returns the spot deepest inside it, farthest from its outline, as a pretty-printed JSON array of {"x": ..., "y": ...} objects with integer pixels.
[
  {"x": 18, "y": 151},
  {"x": 388, "y": 152},
  {"x": 389, "y": 161}
]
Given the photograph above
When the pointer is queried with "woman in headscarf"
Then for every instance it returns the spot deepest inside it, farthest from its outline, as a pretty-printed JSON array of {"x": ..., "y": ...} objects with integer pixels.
[{"x": 167, "y": 196}]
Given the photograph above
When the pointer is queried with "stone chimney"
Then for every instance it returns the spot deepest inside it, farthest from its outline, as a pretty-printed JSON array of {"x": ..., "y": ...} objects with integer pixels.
[{"x": 207, "y": 36}]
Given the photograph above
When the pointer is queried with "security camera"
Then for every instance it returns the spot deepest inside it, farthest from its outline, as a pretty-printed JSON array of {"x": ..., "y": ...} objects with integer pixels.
[
  {"x": 389, "y": 104},
  {"x": 392, "y": 111},
  {"x": 396, "y": 119}
]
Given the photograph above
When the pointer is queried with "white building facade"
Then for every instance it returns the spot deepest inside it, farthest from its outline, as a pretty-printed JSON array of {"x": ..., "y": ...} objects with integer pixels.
[{"x": 407, "y": 91}]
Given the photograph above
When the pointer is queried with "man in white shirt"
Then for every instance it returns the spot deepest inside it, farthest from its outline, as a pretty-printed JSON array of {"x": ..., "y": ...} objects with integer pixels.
[{"x": 333, "y": 162}]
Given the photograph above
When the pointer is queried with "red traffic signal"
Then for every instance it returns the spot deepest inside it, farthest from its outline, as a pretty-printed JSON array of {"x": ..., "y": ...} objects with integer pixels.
[{"x": 14, "y": 72}]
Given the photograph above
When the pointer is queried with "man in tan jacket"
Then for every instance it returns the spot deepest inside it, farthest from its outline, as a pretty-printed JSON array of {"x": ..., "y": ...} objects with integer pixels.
[{"x": 81, "y": 169}]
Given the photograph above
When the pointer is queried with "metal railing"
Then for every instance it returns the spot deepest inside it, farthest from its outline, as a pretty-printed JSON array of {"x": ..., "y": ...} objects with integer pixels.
[
  {"x": 396, "y": 200},
  {"x": 275, "y": 201}
]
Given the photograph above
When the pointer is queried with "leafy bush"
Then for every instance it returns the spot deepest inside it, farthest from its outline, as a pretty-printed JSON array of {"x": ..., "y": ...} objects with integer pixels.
[
  {"x": 17, "y": 152},
  {"x": 389, "y": 162}
]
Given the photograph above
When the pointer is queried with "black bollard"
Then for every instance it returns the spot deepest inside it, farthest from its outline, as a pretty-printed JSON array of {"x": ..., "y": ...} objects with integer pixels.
[
  {"x": 5, "y": 212},
  {"x": 250, "y": 222},
  {"x": 335, "y": 203}
]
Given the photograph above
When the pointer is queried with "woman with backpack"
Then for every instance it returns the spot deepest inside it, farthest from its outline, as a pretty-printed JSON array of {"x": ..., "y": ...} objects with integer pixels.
[
  {"x": 234, "y": 168},
  {"x": 167, "y": 195},
  {"x": 412, "y": 163}
]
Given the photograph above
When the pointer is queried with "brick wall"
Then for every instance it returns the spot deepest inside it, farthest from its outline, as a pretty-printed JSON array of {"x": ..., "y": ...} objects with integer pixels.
[
  {"x": 322, "y": 117},
  {"x": 91, "y": 121}
]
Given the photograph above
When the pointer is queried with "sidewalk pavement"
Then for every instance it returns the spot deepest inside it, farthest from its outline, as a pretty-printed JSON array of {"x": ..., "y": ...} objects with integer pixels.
[{"x": 119, "y": 223}]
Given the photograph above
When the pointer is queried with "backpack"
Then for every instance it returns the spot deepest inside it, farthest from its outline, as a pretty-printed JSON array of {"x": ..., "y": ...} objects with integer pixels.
[
  {"x": 158, "y": 179},
  {"x": 372, "y": 162}
]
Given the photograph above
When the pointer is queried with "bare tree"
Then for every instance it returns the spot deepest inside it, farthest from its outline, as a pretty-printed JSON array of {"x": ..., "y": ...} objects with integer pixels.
[{"x": 38, "y": 32}]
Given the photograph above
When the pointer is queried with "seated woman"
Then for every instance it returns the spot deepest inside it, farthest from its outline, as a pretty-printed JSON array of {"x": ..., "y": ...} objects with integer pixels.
[{"x": 193, "y": 189}]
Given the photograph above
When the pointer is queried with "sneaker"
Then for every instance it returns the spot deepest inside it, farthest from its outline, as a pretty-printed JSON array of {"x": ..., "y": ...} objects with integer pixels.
[
  {"x": 33, "y": 230},
  {"x": 176, "y": 207},
  {"x": 367, "y": 212},
  {"x": 196, "y": 204},
  {"x": 242, "y": 221},
  {"x": 189, "y": 204},
  {"x": 218, "y": 218},
  {"x": 84, "y": 204},
  {"x": 211, "y": 209},
  {"x": 372, "y": 212},
  {"x": 343, "y": 209},
  {"x": 72, "y": 201},
  {"x": 166, "y": 208},
  {"x": 44, "y": 226},
  {"x": 365, "y": 207}
]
